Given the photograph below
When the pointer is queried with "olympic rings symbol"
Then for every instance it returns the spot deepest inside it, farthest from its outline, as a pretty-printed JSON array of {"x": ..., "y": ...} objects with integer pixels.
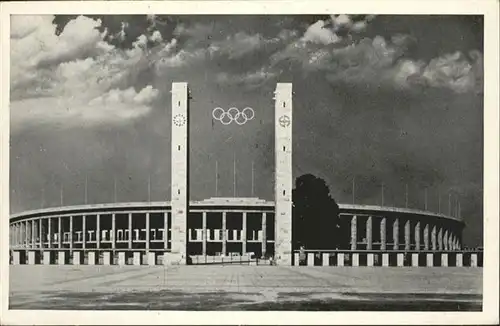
[{"x": 233, "y": 114}]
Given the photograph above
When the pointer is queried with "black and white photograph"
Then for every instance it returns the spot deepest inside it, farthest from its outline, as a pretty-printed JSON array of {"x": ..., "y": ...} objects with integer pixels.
[{"x": 324, "y": 161}]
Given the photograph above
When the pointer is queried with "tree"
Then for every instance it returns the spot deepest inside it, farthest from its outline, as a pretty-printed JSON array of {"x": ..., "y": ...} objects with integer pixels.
[{"x": 315, "y": 215}]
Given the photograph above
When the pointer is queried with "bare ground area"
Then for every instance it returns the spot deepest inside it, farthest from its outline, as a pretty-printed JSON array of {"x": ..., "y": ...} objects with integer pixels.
[{"x": 236, "y": 287}]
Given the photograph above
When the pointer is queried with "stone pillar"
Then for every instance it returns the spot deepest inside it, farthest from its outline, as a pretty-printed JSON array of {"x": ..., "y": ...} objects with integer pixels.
[
  {"x": 440, "y": 238},
  {"x": 49, "y": 232},
  {"x": 264, "y": 234},
  {"x": 71, "y": 232},
  {"x": 121, "y": 258},
  {"x": 385, "y": 259},
  {"x": 224, "y": 234},
  {"x": 354, "y": 229},
  {"x": 24, "y": 233},
  {"x": 61, "y": 257},
  {"x": 417, "y": 236},
  {"x": 369, "y": 239},
  {"x": 20, "y": 239},
  {"x": 326, "y": 259},
  {"x": 91, "y": 257},
  {"x": 84, "y": 231},
  {"x": 433, "y": 237},
  {"x": 165, "y": 231},
  {"x": 204, "y": 233},
  {"x": 444, "y": 259},
  {"x": 340, "y": 259},
  {"x": 445, "y": 240},
  {"x": 355, "y": 259},
  {"x": 283, "y": 173},
  {"x": 426, "y": 236},
  {"x": 46, "y": 257},
  {"x": 407, "y": 235},
  {"x": 296, "y": 259},
  {"x": 395, "y": 233},
  {"x": 400, "y": 259},
  {"x": 130, "y": 230},
  {"x": 106, "y": 257},
  {"x": 430, "y": 259},
  {"x": 16, "y": 257},
  {"x": 414, "y": 259},
  {"x": 19, "y": 235},
  {"x": 151, "y": 258},
  {"x": 14, "y": 235},
  {"x": 31, "y": 257},
  {"x": 473, "y": 260},
  {"x": 33, "y": 234},
  {"x": 40, "y": 233},
  {"x": 76, "y": 257},
  {"x": 370, "y": 259},
  {"x": 459, "y": 259},
  {"x": 113, "y": 231},
  {"x": 27, "y": 228},
  {"x": 244, "y": 234},
  {"x": 383, "y": 232},
  {"x": 98, "y": 232},
  {"x": 137, "y": 258},
  {"x": 310, "y": 259},
  {"x": 148, "y": 230},
  {"x": 179, "y": 171}
]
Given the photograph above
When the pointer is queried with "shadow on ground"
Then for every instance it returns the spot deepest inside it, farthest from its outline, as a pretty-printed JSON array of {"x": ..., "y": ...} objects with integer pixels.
[{"x": 301, "y": 301}]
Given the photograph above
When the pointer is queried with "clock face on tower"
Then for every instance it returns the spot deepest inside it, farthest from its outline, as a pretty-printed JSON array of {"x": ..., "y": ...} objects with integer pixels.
[{"x": 179, "y": 120}]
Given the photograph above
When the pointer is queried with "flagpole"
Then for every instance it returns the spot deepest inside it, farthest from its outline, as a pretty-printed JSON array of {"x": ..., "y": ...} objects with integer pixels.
[
  {"x": 18, "y": 192},
  {"x": 149, "y": 188},
  {"x": 252, "y": 178},
  {"x": 86, "y": 198},
  {"x": 449, "y": 204},
  {"x": 353, "y": 188},
  {"x": 216, "y": 178},
  {"x": 114, "y": 188},
  {"x": 425, "y": 198},
  {"x": 43, "y": 198},
  {"x": 382, "y": 194},
  {"x": 439, "y": 201},
  {"x": 406, "y": 196},
  {"x": 234, "y": 174}
]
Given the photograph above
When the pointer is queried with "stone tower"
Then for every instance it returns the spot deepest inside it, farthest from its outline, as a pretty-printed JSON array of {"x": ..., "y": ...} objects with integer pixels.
[
  {"x": 283, "y": 173},
  {"x": 179, "y": 170}
]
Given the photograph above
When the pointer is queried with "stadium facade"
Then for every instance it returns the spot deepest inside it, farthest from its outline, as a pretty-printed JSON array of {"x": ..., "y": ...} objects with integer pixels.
[{"x": 246, "y": 230}]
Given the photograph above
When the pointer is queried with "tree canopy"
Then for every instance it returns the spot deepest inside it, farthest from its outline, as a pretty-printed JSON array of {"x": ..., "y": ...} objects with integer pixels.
[{"x": 315, "y": 215}]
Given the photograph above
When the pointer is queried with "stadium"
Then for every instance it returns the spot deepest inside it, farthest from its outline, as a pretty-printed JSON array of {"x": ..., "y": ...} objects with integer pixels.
[{"x": 231, "y": 230}]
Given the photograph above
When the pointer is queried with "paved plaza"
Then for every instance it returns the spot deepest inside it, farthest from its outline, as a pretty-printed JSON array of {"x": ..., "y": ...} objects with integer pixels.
[{"x": 219, "y": 287}]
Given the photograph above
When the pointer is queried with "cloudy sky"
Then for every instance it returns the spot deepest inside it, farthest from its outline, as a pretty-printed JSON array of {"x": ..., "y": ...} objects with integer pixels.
[{"x": 392, "y": 100}]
